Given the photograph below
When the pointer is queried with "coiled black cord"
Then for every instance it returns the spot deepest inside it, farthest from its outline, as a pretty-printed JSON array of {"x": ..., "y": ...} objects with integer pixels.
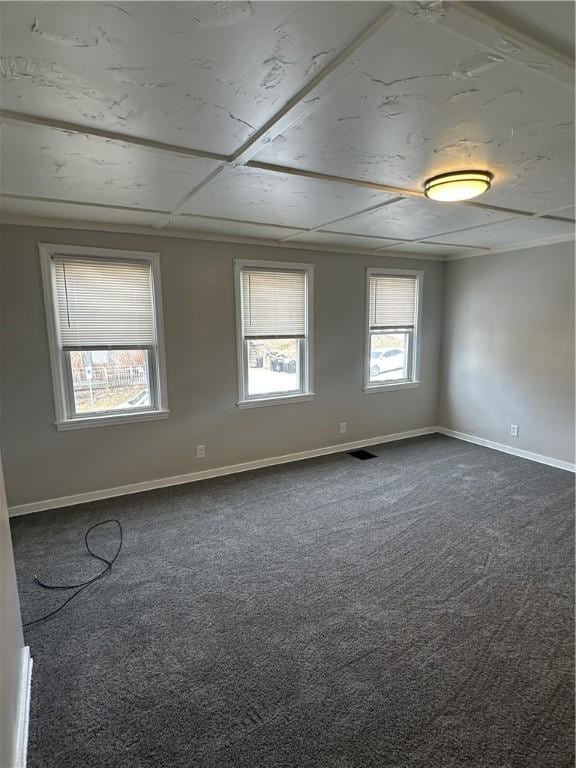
[{"x": 84, "y": 584}]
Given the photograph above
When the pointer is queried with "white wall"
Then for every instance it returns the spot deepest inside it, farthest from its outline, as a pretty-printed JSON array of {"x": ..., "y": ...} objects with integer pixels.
[
  {"x": 508, "y": 349},
  {"x": 11, "y": 640},
  {"x": 198, "y": 296}
]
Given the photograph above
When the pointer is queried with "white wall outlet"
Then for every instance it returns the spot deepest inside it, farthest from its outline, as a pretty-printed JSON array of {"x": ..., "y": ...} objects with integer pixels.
[
  {"x": 514, "y": 430},
  {"x": 200, "y": 451},
  {"x": 343, "y": 427}
]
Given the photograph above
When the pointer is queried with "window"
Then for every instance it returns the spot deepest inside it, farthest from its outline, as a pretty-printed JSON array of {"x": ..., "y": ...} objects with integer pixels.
[
  {"x": 392, "y": 346},
  {"x": 104, "y": 322},
  {"x": 273, "y": 320}
]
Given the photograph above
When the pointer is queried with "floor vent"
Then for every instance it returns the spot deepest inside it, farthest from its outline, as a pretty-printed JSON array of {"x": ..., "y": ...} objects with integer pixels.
[{"x": 362, "y": 455}]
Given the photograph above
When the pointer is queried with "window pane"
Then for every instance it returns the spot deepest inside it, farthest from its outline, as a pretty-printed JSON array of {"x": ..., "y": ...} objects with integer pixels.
[
  {"x": 389, "y": 356},
  {"x": 273, "y": 366},
  {"x": 110, "y": 380}
]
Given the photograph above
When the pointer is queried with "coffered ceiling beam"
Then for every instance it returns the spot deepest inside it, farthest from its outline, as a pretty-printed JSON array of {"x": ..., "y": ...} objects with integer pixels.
[
  {"x": 61, "y": 201},
  {"x": 397, "y": 191},
  {"x": 162, "y": 222},
  {"x": 468, "y": 251},
  {"x": 323, "y": 227},
  {"x": 225, "y": 161},
  {"x": 318, "y": 176},
  {"x": 460, "y": 18},
  {"x": 123, "y": 138},
  {"x": 296, "y": 107}
]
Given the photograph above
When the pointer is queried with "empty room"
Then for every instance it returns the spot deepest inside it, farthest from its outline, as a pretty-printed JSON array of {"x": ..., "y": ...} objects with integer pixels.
[{"x": 287, "y": 384}]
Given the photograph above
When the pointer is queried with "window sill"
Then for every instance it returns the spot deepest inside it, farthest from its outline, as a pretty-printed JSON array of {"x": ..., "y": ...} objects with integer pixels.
[
  {"x": 110, "y": 421},
  {"x": 370, "y": 389},
  {"x": 283, "y": 400}
]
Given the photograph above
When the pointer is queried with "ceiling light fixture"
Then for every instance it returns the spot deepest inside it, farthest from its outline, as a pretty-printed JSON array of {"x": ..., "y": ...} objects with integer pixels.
[{"x": 457, "y": 185}]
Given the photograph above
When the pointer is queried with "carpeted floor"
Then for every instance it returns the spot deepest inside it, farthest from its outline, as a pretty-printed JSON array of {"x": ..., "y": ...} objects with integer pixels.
[{"x": 411, "y": 611}]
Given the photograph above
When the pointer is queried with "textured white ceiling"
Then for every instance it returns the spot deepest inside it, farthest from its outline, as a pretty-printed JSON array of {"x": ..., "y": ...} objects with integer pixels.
[
  {"x": 273, "y": 198},
  {"x": 44, "y": 162},
  {"x": 215, "y": 226},
  {"x": 430, "y": 102},
  {"x": 516, "y": 230},
  {"x": 416, "y": 219},
  {"x": 327, "y": 240},
  {"x": 551, "y": 22},
  {"x": 226, "y": 118},
  {"x": 432, "y": 249},
  {"x": 202, "y": 75},
  {"x": 73, "y": 212}
]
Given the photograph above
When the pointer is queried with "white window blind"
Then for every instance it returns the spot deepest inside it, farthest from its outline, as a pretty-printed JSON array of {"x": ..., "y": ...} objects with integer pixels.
[
  {"x": 392, "y": 302},
  {"x": 104, "y": 303},
  {"x": 273, "y": 303}
]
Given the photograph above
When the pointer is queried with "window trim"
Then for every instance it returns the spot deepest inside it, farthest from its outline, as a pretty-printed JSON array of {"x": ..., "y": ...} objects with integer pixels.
[
  {"x": 62, "y": 407},
  {"x": 415, "y": 379},
  {"x": 307, "y": 394}
]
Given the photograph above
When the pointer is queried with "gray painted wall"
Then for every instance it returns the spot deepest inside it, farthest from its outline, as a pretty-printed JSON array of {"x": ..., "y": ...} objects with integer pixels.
[
  {"x": 508, "y": 357},
  {"x": 508, "y": 349},
  {"x": 198, "y": 296}
]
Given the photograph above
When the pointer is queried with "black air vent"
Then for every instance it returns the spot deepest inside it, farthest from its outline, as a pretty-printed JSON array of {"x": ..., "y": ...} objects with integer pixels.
[{"x": 362, "y": 455}]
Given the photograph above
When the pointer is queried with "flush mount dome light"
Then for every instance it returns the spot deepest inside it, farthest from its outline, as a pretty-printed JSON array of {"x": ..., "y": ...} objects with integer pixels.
[{"x": 457, "y": 185}]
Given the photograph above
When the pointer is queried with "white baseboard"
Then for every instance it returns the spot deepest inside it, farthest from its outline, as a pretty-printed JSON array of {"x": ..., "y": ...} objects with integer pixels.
[
  {"x": 509, "y": 449},
  {"x": 21, "y": 748},
  {"x": 191, "y": 477}
]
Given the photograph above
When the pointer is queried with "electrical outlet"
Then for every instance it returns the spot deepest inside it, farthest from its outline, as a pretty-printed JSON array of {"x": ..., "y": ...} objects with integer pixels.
[
  {"x": 514, "y": 430},
  {"x": 200, "y": 451},
  {"x": 343, "y": 427}
]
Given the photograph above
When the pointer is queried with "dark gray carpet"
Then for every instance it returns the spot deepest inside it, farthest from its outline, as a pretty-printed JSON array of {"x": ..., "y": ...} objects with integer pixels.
[{"x": 412, "y": 611}]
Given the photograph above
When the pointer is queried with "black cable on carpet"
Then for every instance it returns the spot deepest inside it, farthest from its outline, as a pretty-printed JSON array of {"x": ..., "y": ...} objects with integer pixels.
[{"x": 83, "y": 584}]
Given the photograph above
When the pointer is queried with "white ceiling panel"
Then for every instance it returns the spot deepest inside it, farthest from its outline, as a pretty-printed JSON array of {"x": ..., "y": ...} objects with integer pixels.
[
  {"x": 550, "y": 22},
  {"x": 414, "y": 219},
  {"x": 430, "y": 249},
  {"x": 272, "y": 198},
  {"x": 433, "y": 101},
  {"x": 49, "y": 209},
  {"x": 515, "y": 231},
  {"x": 565, "y": 213},
  {"x": 44, "y": 162},
  {"x": 538, "y": 176},
  {"x": 228, "y": 227},
  {"x": 197, "y": 74},
  {"x": 339, "y": 240}
]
